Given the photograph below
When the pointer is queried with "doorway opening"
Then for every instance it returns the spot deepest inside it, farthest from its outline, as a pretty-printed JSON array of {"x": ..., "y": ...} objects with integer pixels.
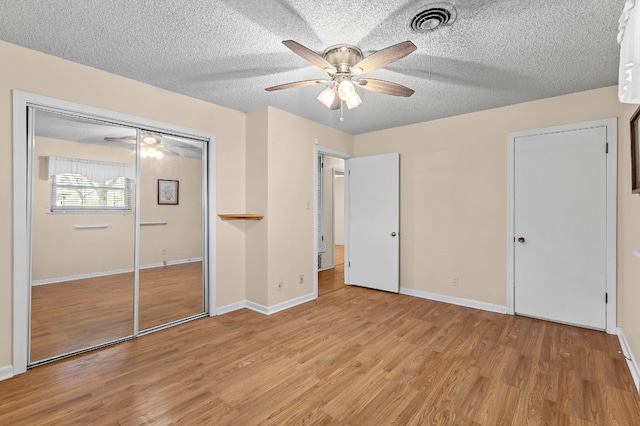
[{"x": 329, "y": 223}]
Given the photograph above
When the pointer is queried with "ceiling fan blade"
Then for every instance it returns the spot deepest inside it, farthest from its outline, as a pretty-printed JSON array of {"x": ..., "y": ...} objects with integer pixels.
[
  {"x": 386, "y": 87},
  {"x": 385, "y": 56},
  {"x": 309, "y": 55},
  {"x": 296, "y": 84},
  {"x": 127, "y": 140}
]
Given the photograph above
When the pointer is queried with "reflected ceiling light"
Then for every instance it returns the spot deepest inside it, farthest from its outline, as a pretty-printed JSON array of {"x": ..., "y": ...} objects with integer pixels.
[
  {"x": 149, "y": 140},
  {"x": 149, "y": 152}
]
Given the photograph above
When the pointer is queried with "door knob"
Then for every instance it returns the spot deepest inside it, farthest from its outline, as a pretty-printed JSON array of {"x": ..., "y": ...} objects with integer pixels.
[
  {"x": 521, "y": 240},
  {"x": 393, "y": 234}
]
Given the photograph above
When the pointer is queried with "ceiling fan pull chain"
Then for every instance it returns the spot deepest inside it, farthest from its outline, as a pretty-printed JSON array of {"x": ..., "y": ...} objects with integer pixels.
[{"x": 341, "y": 111}]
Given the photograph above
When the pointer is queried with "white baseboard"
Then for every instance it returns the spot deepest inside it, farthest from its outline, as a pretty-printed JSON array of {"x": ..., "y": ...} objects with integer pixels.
[
  {"x": 257, "y": 307},
  {"x": 170, "y": 263},
  {"x": 327, "y": 267},
  {"x": 265, "y": 310},
  {"x": 6, "y": 372},
  {"x": 57, "y": 280},
  {"x": 631, "y": 361},
  {"x": 268, "y": 310},
  {"x": 454, "y": 300},
  {"x": 231, "y": 307}
]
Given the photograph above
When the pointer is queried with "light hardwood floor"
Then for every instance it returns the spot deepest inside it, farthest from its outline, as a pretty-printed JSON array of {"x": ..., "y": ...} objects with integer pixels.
[
  {"x": 74, "y": 315},
  {"x": 354, "y": 356}
]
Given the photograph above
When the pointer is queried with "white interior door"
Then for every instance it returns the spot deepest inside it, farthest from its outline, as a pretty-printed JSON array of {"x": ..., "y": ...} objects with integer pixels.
[
  {"x": 373, "y": 204},
  {"x": 560, "y": 226}
]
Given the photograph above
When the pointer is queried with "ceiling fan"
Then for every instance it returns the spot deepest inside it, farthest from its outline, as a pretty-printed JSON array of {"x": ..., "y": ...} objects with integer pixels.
[
  {"x": 151, "y": 145},
  {"x": 156, "y": 146},
  {"x": 343, "y": 62}
]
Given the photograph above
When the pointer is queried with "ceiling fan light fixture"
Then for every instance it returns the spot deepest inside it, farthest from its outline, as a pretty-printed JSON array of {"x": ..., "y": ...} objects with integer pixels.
[
  {"x": 327, "y": 96},
  {"x": 353, "y": 100},
  {"x": 346, "y": 89}
]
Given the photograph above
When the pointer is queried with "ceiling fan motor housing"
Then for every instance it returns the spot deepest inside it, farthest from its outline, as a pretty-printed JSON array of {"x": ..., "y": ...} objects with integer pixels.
[{"x": 342, "y": 56}]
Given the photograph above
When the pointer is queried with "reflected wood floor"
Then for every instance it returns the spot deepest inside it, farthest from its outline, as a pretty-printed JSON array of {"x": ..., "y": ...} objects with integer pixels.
[
  {"x": 353, "y": 356},
  {"x": 74, "y": 315}
]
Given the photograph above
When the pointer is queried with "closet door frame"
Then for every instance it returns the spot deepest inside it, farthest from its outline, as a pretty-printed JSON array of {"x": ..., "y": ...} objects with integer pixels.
[{"x": 22, "y": 104}]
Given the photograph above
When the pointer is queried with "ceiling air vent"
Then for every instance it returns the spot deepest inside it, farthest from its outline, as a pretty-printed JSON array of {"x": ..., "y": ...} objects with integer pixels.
[{"x": 433, "y": 17}]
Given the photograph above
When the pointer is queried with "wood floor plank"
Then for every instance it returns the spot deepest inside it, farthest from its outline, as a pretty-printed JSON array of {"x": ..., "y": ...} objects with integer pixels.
[{"x": 354, "y": 356}]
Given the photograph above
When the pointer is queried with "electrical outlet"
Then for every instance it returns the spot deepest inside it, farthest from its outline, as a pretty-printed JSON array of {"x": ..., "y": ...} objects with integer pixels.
[
  {"x": 280, "y": 285},
  {"x": 301, "y": 281},
  {"x": 455, "y": 281}
]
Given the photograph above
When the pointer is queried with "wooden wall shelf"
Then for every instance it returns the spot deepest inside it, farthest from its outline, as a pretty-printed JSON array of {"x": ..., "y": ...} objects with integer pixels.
[{"x": 241, "y": 216}]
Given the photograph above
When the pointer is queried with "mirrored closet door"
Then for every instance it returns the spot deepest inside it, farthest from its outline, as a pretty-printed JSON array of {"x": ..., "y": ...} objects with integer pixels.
[
  {"x": 82, "y": 234},
  {"x": 117, "y": 218},
  {"x": 171, "y": 229}
]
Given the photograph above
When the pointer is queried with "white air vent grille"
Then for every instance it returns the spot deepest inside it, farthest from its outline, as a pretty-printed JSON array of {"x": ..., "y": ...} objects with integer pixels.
[{"x": 433, "y": 17}]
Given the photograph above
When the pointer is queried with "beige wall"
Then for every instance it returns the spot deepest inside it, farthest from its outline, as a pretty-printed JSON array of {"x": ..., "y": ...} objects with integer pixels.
[
  {"x": 280, "y": 160},
  {"x": 256, "y": 201},
  {"x": 290, "y": 200},
  {"x": 34, "y": 72},
  {"x": 628, "y": 239},
  {"x": 454, "y": 197}
]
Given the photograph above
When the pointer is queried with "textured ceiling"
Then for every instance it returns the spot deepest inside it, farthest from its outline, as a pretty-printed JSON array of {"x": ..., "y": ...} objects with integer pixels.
[{"x": 498, "y": 52}]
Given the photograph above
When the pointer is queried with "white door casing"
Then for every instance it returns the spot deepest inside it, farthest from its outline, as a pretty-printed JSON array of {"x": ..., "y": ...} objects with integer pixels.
[
  {"x": 373, "y": 202},
  {"x": 562, "y": 224}
]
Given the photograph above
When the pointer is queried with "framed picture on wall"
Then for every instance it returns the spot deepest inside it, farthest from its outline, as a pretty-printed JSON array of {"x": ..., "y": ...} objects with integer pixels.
[
  {"x": 635, "y": 152},
  {"x": 168, "y": 191}
]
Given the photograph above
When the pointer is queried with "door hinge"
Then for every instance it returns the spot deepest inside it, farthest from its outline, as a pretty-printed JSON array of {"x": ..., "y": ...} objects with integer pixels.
[
  {"x": 606, "y": 149},
  {"x": 606, "y": 298},
  {"x": 349, "y": 265},
  {"x": 349, "y": 172},
  {"x": 323, "y": 238}
]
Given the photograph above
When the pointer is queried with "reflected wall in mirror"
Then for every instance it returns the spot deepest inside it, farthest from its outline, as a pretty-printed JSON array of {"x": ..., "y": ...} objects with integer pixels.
[{"x": 171, "y": 233}]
